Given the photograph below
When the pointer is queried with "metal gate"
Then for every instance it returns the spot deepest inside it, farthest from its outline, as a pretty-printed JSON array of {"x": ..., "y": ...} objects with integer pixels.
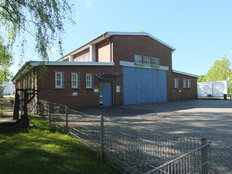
[{"x": 144, "y": 85}]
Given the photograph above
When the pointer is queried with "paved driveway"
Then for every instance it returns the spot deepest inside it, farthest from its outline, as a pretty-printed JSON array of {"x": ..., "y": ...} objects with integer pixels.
[
  {"x": 198, "y": 118},
  {"x": 205, "y": 118}
]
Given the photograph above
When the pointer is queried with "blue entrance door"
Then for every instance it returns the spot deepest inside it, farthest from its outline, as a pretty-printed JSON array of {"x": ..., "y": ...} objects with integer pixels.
[{"x": 106, "y": 94}]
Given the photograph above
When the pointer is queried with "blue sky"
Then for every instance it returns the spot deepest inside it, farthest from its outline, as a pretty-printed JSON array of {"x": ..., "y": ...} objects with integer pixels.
[{"x": 201, "y": 31}]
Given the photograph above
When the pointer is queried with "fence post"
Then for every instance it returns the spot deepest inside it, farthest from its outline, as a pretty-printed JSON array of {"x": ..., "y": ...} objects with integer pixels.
[
  {"x": 102, "y": 138},
  {"x": 66, "y": 117},
  {"x": 49, "y": 113},
  {"x": 204, "y": 156}
]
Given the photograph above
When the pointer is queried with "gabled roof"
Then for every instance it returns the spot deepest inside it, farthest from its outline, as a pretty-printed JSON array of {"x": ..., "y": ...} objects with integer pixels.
[{"x": 111, "y": 33}]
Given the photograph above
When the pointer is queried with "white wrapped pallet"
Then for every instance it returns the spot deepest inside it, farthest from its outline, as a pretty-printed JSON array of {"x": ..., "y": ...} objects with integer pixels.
[{"x": 213, "y": 89}]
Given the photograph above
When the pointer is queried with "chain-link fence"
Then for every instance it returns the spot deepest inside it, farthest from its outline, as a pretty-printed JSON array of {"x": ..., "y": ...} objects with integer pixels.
[
  {"x": 131, "y": 150},
  {"x": 220, "y": 156}
]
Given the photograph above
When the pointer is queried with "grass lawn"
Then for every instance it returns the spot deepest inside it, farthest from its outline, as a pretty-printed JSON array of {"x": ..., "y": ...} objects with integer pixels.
[{"x": 45, "y": 149}]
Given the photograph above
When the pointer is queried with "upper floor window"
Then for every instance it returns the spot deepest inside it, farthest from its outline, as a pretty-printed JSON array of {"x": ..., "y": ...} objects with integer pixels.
[
  {"x": 176, "y": 83},
  {"x": 146, "y": 60},
  {"x": 89, "y": 81},
  {"x": 75, "y": 80},
  {"x": 189, "y": 83},
  {"x": 58, "y": 79},
  {"x": 138, "y": 59},
  {"x": 155, "y": 61},
  {"x": 184, "y": 83}
]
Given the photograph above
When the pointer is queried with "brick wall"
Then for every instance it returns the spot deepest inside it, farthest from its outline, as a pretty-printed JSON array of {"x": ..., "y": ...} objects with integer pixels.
[
  {"x": 181, "y": 93},
  {"x": 86, "y": 97},
  {"x": 125, "y": 47}
]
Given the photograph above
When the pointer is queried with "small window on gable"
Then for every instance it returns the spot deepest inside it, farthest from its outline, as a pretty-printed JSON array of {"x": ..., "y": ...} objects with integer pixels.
[
  {"x": 189, "y": 83},
  {"x": 184, "y": 83},
  {"x": 89, "y": 81},
  {"x": 75, "y": 80},
  {"x": 59, "y": 80},
  {"x": 176, "y": 83}
]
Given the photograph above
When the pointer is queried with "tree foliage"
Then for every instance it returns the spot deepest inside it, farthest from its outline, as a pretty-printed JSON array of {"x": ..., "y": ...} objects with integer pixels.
[
  {"x": 201, "y": 78},
  {"x": 42, "y": 19},
  {"x": 5, "y": 61},
  {"x": 219, "y": 71}
]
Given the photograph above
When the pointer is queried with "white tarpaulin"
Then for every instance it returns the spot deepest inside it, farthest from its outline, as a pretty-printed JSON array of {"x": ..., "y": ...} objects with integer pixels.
[
  {"x": 8, "y": 88},
  {"x": 214, "y": 89}
]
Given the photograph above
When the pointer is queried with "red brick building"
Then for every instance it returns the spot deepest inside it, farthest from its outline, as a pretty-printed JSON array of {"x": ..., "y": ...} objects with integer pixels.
[{"x": 114, "y": 69}]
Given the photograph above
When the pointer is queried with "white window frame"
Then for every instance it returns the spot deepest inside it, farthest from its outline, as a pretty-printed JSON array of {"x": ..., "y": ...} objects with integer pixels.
[
  {"x": 89, "y": 81},
  {"x": 146, "y": 60},
  {"x": 75, "y": 79},
  {"x": 189, "y": 83},
  {"x": 138, "y": 59},
  {"x": 61, "y": 80},
  {"x": 176, "y": 82},
  {"x": 155, "y": 61},
  {"x": 184, "y": 83}
]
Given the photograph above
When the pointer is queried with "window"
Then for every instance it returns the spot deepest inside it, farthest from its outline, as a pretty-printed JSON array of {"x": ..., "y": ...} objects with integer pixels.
[
  {"x": 146, "y": 60},
  {"x": 184, "y": 83},
  {"x": 155, "y": 61},
  {"x": 138, "y": 59},
  {"x": 75, "y": 80},
  {"x": 175, "y": 82},
  {"x": 89, "y": 81},
  {"x": 59, "y": 80},
  {"x": 189, "y": 83}
]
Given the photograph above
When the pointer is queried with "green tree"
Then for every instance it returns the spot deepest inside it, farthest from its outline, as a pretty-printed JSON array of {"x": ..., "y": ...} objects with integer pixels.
[
  {"x": 219, "y": 71},
  {"x": 201, "y": 78},
  {"x": 42, "y": 19},
  {"x": 5, "y": 62}
]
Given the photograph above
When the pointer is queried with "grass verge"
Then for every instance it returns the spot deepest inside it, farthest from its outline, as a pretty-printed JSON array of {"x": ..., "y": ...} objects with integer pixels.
[{"x": 44, "y": 149}]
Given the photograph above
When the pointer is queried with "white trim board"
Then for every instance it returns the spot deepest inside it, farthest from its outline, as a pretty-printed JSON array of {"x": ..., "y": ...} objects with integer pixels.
[
  {"x": 55, "y": 63},
  {"x": 184, "y": 73},
  {"x": 132, "y": 64}
]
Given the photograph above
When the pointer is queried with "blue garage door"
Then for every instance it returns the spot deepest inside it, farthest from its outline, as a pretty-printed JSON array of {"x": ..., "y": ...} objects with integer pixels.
[{"x": 144, "y": 85}]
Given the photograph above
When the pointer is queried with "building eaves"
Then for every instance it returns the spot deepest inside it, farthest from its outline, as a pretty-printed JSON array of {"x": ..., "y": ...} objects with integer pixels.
[
  {"x": 184, "y": 73},
  {"x": 27, "y": 65}
]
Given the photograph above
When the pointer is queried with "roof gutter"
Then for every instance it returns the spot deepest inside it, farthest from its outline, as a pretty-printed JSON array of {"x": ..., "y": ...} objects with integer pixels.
[{"x": 183, "y": 73}]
